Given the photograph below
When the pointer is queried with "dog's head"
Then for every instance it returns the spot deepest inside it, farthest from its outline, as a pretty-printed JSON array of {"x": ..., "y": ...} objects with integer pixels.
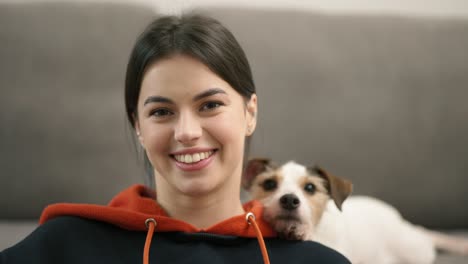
[{"x": 294, "y": 196}]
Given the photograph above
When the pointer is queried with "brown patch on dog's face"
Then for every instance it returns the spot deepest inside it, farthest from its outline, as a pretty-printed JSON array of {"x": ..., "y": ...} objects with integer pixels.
[
  {"x": 317, "y": 197},
  {"x": 265, "y": 184},
  {"x": 338, "y": 188},
  {"x": 254, "y": 168}
]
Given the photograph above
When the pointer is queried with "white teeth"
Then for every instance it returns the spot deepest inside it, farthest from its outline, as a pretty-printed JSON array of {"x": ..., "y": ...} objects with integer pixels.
[
  {"x": 192, "y": 158},
  {"x": 196, "y": 157},
  {"x": 180, "y": 158},
  {"x": 188, "y": 158}
]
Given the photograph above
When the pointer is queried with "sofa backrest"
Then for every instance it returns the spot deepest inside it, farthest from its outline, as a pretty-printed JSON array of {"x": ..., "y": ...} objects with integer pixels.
[
  {"x": 64, "y": 135},
  {"x": 379, "y": 100}
]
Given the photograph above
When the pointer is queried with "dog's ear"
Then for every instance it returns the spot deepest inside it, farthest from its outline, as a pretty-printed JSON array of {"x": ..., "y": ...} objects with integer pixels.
[
  {"x": 254, "y": 167},
  {"x": 338, "y": 188}
]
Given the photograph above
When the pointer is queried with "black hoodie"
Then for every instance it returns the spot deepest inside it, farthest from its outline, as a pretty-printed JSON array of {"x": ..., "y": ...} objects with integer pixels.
[{"x": 134, "y": 229}]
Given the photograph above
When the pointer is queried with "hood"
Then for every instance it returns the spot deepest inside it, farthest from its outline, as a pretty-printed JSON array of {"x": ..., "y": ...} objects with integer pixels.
[{"x": 133, "y": 206}]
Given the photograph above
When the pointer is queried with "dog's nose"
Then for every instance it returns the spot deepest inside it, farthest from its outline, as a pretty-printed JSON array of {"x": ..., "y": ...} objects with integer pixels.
[{"x": 289, "y": 201}]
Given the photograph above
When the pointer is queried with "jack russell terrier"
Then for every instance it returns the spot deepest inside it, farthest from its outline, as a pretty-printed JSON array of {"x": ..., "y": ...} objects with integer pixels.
[{"x": 305, "y": 203}]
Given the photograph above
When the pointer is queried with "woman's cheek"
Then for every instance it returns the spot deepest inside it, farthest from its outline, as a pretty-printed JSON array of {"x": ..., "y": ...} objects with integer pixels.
[
  {"x": 158, "y": 137},
  {"x": 226, "y": 129}
]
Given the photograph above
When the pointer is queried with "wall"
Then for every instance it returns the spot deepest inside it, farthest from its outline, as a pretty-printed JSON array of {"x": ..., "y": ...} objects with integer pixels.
[{"x": 457, "y": 8}]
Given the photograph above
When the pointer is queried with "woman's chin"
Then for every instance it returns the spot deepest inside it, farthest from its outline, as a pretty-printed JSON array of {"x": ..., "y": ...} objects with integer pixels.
[{"x": 194, "y": 189}]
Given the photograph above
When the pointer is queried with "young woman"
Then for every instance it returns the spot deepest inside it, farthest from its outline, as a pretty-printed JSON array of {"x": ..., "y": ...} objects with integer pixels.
[{"x": 191, "y": 100}]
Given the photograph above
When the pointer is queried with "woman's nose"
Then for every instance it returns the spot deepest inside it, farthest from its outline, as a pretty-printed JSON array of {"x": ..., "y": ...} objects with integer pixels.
[{"x": 188, "y": 129}]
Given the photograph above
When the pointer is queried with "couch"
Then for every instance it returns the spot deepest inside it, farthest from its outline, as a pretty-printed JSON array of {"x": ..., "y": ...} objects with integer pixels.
[{"x": 377, "y": 99}]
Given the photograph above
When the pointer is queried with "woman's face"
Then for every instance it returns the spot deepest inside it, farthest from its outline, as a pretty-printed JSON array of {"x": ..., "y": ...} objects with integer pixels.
[{"x": 192, "y": 125}]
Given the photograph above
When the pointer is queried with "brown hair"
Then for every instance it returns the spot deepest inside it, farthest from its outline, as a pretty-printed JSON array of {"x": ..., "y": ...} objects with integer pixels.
[{"x": 195, "y": 35}]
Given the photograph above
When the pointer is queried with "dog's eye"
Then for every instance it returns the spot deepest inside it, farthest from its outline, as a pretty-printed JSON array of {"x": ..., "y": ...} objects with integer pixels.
[
  {"x": 269, "y": 185},
  {"x": 310, "y": 188}
]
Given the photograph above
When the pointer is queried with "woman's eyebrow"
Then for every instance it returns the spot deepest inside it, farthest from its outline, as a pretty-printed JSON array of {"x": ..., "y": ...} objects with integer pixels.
[
  {"x": 207, "y": 93},
  {"x": 162, "y": 99},
  {"x": 157, "y": 99}
]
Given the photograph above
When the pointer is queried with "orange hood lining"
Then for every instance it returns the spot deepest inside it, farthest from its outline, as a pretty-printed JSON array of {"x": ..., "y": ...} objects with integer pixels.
[{"x": 133, "y": 206}]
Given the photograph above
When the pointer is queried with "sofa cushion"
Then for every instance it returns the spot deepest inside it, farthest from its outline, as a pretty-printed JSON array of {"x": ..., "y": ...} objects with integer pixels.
[
  {"x": 380, "y": 100},
  {"x": 376, "y": 99},
  {"x": 64, "y": 136}
]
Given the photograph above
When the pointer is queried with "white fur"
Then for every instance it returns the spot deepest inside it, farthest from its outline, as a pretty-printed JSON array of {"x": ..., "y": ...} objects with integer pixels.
[
  {"x": 367, "y": 230},
  {"x": 370, "y": 231}
]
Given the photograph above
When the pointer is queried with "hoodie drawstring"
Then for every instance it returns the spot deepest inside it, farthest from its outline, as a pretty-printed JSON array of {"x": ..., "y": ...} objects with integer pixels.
[
  {"x": 250, "y": 218},
  {"x": 151, "y": 225}
]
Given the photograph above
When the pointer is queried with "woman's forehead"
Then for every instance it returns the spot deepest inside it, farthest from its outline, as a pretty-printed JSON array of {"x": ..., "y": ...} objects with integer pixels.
[{"x": 181, "y": 76}]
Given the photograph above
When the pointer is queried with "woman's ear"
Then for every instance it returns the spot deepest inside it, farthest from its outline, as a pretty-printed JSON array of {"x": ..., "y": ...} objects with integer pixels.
[
  {"x": 251, "y": 114},
  {"x": 138, "y": 133}
]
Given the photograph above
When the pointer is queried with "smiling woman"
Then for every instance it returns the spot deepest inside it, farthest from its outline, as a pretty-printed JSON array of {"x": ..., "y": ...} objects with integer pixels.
[
  {"x": 190, "y": 119},
  {"x": 191, "y": 101}
]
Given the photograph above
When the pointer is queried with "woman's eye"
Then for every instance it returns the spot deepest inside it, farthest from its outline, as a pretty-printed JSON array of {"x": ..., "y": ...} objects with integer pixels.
[
  {"x": 161, "y": 112},
  {"x": 210, "y": 106},
  {"x": 310, "y": 188}
]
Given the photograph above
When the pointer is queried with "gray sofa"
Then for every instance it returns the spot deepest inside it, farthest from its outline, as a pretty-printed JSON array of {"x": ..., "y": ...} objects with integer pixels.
[{"x": 379, "y": 100}]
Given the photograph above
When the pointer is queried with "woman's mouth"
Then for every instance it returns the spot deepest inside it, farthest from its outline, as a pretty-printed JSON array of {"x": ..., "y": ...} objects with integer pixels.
[
  {"x": 193, "y": 158},
  {"x": 194, "y": 161}
]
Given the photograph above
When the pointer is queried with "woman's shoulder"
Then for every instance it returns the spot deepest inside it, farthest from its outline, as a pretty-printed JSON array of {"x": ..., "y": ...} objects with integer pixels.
[
  {"x": 64, "y": 226},
  {"x": 49, "y": 240},
  {"x": 303, "y": 252}
]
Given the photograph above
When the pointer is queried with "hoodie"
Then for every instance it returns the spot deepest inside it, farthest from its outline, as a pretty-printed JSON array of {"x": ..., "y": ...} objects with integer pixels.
[{"x": 133, "y": 228}]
